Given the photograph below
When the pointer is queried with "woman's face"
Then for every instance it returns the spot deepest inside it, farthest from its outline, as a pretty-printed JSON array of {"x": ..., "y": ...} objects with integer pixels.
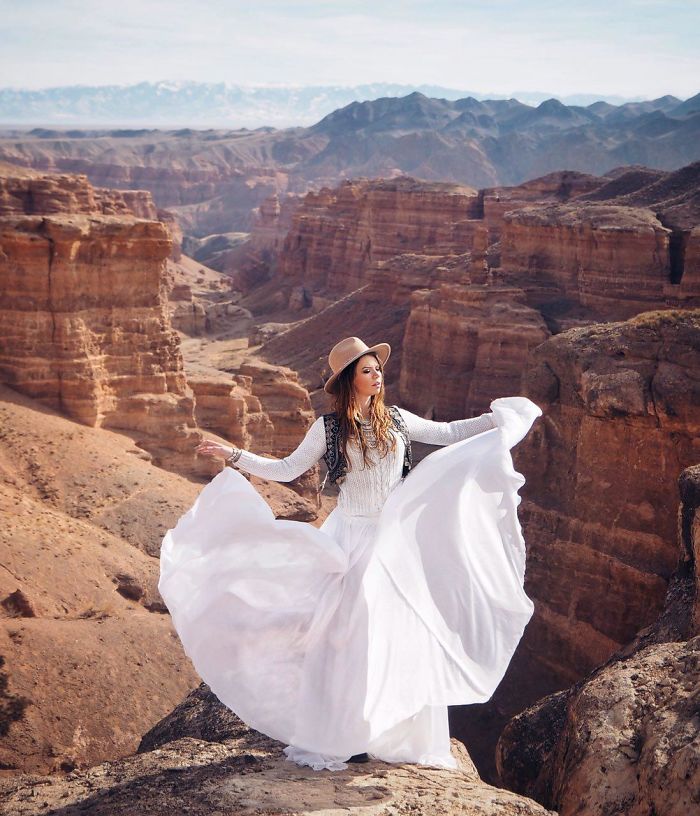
[{"x": 368, "y": 376}]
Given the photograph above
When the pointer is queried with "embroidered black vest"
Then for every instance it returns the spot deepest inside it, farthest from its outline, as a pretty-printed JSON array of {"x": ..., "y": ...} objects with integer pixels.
[{"x": 333, "y": 457}]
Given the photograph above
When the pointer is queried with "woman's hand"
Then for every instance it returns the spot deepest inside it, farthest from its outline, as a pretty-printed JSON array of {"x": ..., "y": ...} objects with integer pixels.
[{"x": 215, "y": 449}]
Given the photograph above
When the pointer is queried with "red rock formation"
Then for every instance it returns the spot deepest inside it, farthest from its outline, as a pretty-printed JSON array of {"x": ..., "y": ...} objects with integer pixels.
[
  {"x": 83, "y": 319},
  {"x": 464, "y": 346},
  {"x": 621, "y": 420},
  {"x": 558, "y": 187},
  {"x": 401, "y": 275},
  {"x": 174, "y": 229},
  {"x": 624, "y": 739},
  {"x": 579, "y": 261},
  {"x": 689, "y": 283},
  {"x": 337, "y": 235},
  {"x": 31, "y": 192},
  {"x": 209, "y": 193},
  {"x": 251, "y": 263},
  {"x": 263, "y": 409},
  {"x": 614, "y": 261}
]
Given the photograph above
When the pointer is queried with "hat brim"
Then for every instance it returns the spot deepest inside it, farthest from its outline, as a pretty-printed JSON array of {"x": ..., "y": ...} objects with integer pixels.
[{"x": 383, "y": 351}]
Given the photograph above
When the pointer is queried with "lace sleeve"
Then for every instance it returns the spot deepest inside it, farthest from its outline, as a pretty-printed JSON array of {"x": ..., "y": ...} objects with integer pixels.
[
  {"x": 310, "y": 450},
  {"x": 445, "y": 433}
]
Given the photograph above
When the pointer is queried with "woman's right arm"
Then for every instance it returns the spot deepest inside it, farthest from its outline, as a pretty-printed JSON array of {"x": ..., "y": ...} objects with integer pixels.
[{"x": 310, "y": 450}]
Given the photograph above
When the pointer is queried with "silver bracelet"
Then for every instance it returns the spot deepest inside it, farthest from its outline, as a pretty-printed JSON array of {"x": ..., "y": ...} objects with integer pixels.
[{"x": 234, "y": 457}]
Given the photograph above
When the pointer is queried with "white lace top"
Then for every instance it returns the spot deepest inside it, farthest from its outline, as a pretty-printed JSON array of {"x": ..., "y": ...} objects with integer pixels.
[{"x": 364, "y": 490}]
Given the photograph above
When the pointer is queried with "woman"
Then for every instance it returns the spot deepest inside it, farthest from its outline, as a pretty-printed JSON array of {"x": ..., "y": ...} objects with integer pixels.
[{"x": 352, "y": 639}]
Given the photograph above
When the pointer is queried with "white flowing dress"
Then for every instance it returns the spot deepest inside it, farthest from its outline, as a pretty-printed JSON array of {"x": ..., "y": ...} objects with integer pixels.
[{"x": 356, "y": 636}]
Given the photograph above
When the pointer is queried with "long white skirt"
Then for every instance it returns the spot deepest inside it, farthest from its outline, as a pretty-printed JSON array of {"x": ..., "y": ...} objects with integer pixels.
[{"x": 357, "y": 636}]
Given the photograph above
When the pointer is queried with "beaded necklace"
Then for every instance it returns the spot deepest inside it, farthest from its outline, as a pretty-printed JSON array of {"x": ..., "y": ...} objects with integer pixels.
[{"x": 368, "y": 433}]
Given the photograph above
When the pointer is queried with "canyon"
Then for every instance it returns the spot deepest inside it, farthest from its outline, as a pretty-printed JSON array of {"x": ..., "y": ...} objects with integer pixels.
[
  {"x": 101, "y": 413},
  {"x": 580, "y": 291},
  {"x": 558, "y": 301}
]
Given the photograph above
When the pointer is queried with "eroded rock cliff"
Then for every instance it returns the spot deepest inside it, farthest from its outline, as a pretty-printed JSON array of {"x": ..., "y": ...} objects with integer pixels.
[
  {"x": 338, "y": 234},
  {"x": 621, "y": 420},
  {"x": 624, "y": 739},
  {"x": 84, "y": 325}
]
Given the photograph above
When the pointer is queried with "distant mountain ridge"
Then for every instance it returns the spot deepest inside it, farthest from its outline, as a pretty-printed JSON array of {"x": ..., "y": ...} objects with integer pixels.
[
  {"x": 498, "y": 115},
  {"x": 201, "y": 104},
  {"x": 483, "y": 143},
  {"x": 479, "y": 143}
]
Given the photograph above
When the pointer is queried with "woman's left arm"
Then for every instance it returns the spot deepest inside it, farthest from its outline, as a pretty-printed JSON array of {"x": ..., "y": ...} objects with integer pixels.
[{"x": 445, "y": 433}]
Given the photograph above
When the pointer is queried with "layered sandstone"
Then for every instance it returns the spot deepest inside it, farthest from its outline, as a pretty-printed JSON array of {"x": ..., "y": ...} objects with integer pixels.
[
  {"x": 84, "y": 325},
  {"x": 558, "y": 187},
  {"x": 578, "y": 260},
  {"x": 623, "y": 740},
  {"x": 392, "y": 230},
  {"x": 209, "y": 191},
  {"x": 31, "y": 192},
  {"x": 252, "y": 262},
  {"x": 621, "y": 420},
  {"x": 337, "y": 235},
  {"x": 599, "y": 564},
  {"x": 615, "y": 261},
  {"x": 464, "y": 346},
  {"x": 262, "y": 408}
]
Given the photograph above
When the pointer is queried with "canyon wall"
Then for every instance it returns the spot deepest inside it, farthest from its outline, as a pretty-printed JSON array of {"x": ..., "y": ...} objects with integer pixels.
[
  {"x": 575, "y": 260},
  {"x": 84, "y": 325},
  {"x": 487, "y": 275},
  {"x": 624, "y": 740},
  {"x": 255, "y": 260},
  {"x": 262, "y": 408},
  {"x": 614, "y": 261},
  {"x": 207, "y": 198},
  {"x": 464, "y": 346},
  {"x": 480, "y": 318},
  {"x": 621, "y": 421},
  {"x": 337, "y": 235}
]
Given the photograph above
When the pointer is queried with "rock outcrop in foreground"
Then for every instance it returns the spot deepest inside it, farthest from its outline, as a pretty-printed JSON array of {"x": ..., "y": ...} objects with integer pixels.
[{"x": 203, "y": 761}]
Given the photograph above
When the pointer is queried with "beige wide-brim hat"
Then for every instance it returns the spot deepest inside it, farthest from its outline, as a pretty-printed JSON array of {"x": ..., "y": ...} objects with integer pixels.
[{"x": 346, "y": 352}]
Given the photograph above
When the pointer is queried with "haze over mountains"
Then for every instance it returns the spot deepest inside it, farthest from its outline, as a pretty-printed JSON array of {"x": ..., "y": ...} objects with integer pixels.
[
  {"x": 206, "y": 104},
  {"x": 214, "y": 178}
]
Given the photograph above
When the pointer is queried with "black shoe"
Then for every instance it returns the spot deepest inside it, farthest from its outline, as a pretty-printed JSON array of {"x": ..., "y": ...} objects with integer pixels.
[{"x": 359, "y": 758}]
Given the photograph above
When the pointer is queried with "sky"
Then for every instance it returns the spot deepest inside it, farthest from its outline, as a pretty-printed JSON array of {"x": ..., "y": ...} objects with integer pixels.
[{"x": 631, "y": 48}]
